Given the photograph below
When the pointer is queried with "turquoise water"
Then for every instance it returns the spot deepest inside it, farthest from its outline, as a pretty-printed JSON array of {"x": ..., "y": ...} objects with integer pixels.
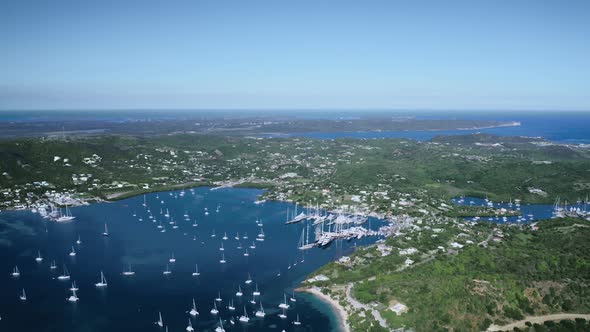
[{"x": 132, "y": 303}]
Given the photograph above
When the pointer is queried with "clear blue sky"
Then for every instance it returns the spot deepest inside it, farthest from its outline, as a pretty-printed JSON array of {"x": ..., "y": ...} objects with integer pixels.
[{"x": 476, "y": 54}]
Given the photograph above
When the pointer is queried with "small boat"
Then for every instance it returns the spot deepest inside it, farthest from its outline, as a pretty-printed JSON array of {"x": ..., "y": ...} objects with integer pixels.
[
  {"x": 249, "y": 280},
  {"x": 231, "y": 307},
  {"x": 53, "y": 266},
  {"x": 284, "y": 305},
  {"x": 73, "y": 252},
  {"x": 245, "y": 237},
  {"x": 65, "y": 217},
  {"x": 190, "y": 328},
  {"x": 78, "y": 241},
  {"x": 260, "y": 313},
  {"x": 193, "y": 311},
  {"x": 102, "y": 282},
  {"x": 65, "y": 275},
  {"x": 246, "y": 254},
  {"x": 23, "y": 295},
  {"x": 221, "y": 248},
  {"x": 218, "y": 298},
  {"x": 214, "y": 311},
  {"x": 195, "y": 223},
  {"x": 253, "y": 301},
  {"x": 292, "y": 298},
  {"x": 160, "y": 322},
  {"x": 297, "y": 322},
  {"x": 39, "y": 259},
  {"x": 172, "y": 259},
  {"x": 239, "y": 292},
  {"x": 237, "y": 237},
  {"x": 256, "y": 292},
  {"x": 213, "y": 234},
  {"x": 106, "y": 230},
  {"x": 253, "y": 246},
  {"x": 283, "y": 314},
  {"x": 128, "y": 272},
  {"x": 224, "y": 236},
  {"x": 220, "y": 327},
  {"x": 73, "y": 297},
  {"x": 196, "y": 273},
  {"x": 167, "y": 271},
  {"x": 222, "y": 260},
  {"x": 244, "y": 318},
  {"x": 74, "y": 286}
]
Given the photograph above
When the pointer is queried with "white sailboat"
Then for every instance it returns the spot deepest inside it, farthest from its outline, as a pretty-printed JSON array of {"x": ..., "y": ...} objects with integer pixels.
[
  {"x": 256, "y": 292},
  {"x": 106, "y": 230},
  {"x": 172, "y": 259},
  {"x": 283, "y": 314},
  {"x": 297, "y": 322},
  {"x": 222, "y": 260},
  {"x": 15, "y": 272},
  {"x": 244, "y": 318},
  {"x": 196, "y": 273},
  {"x": 190, "y": 328},
  {"x": 246, "y": 254},
  {"x": 214, "y": 311},
  {"x": 65, "y": 275},
  {"x": 239, "y": 292},
  {"x": 128, "y": 272},
  {"x": 220, "y": 327},
  {"x": 231, "y": 307},
  {"x": 53, "y": 266},
  {"x": 65, "y": 217},
  {"x": 249, "y": 280},
  {"x": 78, "y": 241},
  {"x": 224, "y": 236},
  {"x": 293, "y": 299},
  {"x": 253, "y": 246},
  {"x": 237, "y": 237},
  {"x": 73, "y": 297},
  {"x": 218, "y": 298},
  {"x": 193, "y": 311},
  {"x": 213, "y": 234},
  {"x": 167, "y": 271},
  {"x": 221, "y": 248},
  {"x": 23, "y": 295},
  {"x": 74, "y": 286},
  {"x": 73, "y": 252},
  {"x": 284, "y": 305},
  {"x": 102, "y": 282},
  {"x": 160, "y": 322},
  {"x": 39, "y": 259},
  {"x": 245, "y": 237},
  {"x": 260, "y": 313}
]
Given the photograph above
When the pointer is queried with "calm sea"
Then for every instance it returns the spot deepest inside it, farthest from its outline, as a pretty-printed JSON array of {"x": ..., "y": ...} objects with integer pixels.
[{"x": 132, "y": 303}]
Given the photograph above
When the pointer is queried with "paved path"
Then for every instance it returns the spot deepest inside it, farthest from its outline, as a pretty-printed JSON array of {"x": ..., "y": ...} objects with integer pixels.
[
  {"x": 538, "y": 320},
  {"x": 357, "y": 305}
]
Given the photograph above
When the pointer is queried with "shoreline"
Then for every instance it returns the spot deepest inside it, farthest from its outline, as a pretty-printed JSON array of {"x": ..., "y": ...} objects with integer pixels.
[{"x": 341, "y": 314}]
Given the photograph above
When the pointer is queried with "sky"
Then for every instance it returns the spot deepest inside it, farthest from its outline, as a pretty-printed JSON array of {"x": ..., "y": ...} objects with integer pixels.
[{"x": 249, "y": 54}]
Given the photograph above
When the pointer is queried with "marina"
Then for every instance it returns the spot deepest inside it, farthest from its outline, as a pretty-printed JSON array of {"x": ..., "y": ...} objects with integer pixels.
[{"x": 117, "y": 271}]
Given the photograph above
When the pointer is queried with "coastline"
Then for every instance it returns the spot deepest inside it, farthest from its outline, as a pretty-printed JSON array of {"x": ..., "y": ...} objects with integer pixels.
[{"x": 336, "y": 307}]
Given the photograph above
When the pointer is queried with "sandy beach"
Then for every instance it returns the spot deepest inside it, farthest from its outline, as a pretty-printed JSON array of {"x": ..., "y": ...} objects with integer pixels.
[{"x": 342, "y": 314}]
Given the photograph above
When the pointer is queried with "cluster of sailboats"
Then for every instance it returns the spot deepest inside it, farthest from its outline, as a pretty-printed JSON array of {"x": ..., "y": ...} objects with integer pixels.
[{"x": 251, "y": 303}]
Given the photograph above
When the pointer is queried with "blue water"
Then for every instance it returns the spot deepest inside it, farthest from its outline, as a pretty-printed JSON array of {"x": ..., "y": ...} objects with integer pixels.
[
  {"x": 563, "y": 127},
  {"x": 530, "y": 212},
  {"x": 132, "y": 303}
]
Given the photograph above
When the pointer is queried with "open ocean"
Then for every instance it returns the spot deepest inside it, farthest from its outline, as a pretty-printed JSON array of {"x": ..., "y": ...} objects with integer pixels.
[{"x": 558, "y": 126}]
